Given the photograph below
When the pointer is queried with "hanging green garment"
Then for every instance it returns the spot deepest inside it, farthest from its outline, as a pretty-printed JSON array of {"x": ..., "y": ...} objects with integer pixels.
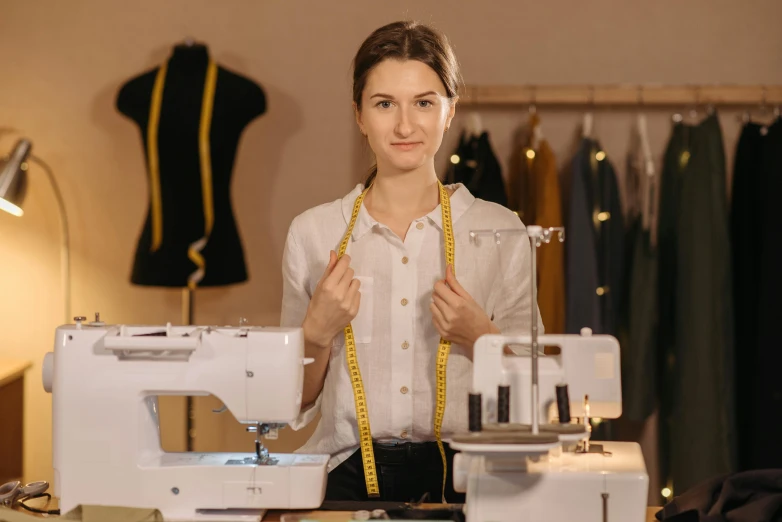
[
  {"x": 696, "y": 334},
  {"x": 638, "y": 313}
]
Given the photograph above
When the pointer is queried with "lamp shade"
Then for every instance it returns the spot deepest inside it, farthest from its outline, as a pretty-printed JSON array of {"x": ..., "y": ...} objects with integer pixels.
[{"x": 13, "y": 178}]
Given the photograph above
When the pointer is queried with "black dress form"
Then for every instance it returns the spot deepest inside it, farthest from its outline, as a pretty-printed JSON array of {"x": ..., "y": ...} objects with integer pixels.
[{"x": 237, "y": 101}]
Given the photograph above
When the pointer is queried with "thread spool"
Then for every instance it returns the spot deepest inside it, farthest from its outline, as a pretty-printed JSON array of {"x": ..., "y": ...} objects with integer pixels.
[
  {"x": 563, "y": 404},
  {"x": 503, "y": 403},
  {"x": 475, "y": 413}
]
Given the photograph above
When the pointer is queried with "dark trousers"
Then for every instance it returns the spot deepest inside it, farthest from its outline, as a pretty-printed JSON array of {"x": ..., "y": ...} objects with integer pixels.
[{"x": 406, "y": 472}]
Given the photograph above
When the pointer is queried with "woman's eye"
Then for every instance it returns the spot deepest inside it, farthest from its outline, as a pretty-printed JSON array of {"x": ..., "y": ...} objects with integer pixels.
[
  {"x": 425, "y": 103},
  {"x": 385, "y": 104}
]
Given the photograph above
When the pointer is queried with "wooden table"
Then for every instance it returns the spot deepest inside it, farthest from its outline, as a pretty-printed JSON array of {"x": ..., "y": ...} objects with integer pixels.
[
  {"x": 344, "y": 516},
  {"x": 11, "y": 413},
  {"x": 293, "y": 516}
]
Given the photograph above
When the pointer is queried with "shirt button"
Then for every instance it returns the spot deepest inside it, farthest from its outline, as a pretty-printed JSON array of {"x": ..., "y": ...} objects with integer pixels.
[
  {"x": 403, "y": 434},
  {"x": 404, "y": 260},
  {"x": 405, "y": 345},
  {"x": 419, "y": 226},
  {"x": 403, "y": 389},
  {"x": 404, "y": 302}
]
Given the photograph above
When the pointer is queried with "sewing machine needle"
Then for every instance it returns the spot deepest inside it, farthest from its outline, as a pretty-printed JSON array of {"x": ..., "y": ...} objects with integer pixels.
[{"x": 258, "y": 442}]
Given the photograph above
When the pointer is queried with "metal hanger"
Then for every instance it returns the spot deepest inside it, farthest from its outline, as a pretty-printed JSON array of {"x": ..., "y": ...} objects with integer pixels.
[{"x": 588, "y": 116}]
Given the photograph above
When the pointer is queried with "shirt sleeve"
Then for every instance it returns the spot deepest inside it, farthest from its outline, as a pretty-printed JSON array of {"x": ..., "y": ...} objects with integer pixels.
[
  {"x": 295, "y": 300},
  {"x": 512, "y": 309}
]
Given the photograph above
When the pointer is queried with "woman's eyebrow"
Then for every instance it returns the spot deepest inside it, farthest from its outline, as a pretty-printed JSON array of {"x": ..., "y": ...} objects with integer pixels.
[{"x": 383, "y": 95}]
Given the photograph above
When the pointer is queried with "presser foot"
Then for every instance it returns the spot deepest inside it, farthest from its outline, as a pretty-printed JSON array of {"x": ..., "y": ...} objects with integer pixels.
[{"x": 262, "y": 457}]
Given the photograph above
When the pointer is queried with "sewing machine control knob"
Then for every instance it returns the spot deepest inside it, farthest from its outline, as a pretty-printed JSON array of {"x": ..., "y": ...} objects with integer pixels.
[
  {"x": 586, "y": 332},
  {"x": 97, "y": 321}
]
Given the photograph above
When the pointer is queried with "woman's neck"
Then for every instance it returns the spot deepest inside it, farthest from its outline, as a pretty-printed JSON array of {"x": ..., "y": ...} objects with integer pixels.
[{"x": 409, "y": 194}]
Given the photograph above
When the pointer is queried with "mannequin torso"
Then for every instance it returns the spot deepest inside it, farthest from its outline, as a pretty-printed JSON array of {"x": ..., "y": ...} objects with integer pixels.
[{"x": 181, "y": 208}]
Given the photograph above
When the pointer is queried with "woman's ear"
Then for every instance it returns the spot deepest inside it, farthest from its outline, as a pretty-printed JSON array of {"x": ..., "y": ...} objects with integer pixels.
[
  {"x": 451, "y": 113},
  {"x": 357, "y": 113}
]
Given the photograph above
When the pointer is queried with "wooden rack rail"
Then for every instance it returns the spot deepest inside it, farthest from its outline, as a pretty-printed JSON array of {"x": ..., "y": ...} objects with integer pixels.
[{"x": 637, "y": 95}]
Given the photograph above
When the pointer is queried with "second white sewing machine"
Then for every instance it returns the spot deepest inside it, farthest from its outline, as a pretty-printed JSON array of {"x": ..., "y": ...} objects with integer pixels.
[
  {"x": 106, "y": 434},
  {"x": 514, "y": 468}
]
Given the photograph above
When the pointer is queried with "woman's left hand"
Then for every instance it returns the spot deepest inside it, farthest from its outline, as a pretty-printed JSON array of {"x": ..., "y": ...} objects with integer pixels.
[{"x": 455, "y": 313}]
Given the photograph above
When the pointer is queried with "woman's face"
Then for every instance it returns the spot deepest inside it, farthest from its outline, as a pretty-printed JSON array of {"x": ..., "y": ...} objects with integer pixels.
[{"x": 404, "y": 113}]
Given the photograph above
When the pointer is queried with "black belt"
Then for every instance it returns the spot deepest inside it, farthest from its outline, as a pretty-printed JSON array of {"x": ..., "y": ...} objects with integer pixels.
[{"x": 405, "y": 452}]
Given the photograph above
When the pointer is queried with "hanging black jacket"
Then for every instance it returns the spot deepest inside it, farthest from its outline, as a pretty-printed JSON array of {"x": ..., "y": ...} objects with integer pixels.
[
  {"x": 594, "y": 248},
  {"x": 478, "y": 169}
]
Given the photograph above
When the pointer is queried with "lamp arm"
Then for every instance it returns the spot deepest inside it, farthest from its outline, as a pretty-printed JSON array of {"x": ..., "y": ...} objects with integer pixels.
[{"x": 65, "y": 250}]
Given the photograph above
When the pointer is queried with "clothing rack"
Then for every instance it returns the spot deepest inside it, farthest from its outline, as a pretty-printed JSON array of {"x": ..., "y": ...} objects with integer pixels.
[{"x": 622, "y": 94}]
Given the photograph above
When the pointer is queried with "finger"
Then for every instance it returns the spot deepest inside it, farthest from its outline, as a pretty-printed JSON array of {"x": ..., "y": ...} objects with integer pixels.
[
  {"x": 330, "y": 265},
  {"x": 341, "y": 288},
  {"x": 354, "y": 297},
  {"x": 437, "y": 320},
  {"x": 339, "y": 270},
  {"x": 446, "y": 312},
  {"x": 450, "y": 278},
  {"x": 448, "y": 295}
]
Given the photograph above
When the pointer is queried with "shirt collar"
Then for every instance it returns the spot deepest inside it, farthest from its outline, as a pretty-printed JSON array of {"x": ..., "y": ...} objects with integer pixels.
[{"x": 461, "y": 199}]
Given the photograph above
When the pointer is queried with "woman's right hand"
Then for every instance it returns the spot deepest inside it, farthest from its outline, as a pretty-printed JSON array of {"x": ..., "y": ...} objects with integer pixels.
[{"x": 334, "y": 303}]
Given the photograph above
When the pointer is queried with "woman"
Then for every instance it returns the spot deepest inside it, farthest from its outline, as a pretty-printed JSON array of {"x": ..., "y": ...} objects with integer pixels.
[{"x": 392, "y": 286}]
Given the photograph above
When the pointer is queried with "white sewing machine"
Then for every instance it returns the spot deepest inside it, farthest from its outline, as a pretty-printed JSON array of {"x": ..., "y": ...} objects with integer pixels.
[
  {"x": 558, "y": 474},
  {"x": 106, "y": 448}
]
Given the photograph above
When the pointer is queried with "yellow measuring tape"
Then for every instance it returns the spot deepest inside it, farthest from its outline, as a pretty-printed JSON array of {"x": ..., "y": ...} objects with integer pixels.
[
  {"x": 444, "y": 348},
  {"x": 205, "y": 159}
]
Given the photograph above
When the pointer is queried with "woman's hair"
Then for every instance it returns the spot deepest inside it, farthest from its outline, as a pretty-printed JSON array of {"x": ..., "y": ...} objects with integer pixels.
[{"x": 405, "y": 41}]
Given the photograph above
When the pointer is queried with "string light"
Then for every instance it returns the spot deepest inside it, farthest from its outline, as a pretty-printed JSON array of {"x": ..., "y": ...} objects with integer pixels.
[{"x": 455, "y": 159}]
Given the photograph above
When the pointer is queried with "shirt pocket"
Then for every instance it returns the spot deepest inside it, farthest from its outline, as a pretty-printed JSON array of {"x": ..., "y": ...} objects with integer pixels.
[{"x": 363, "y": 322}]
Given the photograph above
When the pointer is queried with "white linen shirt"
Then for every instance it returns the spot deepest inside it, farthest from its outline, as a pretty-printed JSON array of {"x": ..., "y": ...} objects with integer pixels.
[{"x": 396, "y": 341}]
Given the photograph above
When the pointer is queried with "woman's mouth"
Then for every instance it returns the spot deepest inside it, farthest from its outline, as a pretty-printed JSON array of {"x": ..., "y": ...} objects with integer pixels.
[{"x": 406, "y": 145}]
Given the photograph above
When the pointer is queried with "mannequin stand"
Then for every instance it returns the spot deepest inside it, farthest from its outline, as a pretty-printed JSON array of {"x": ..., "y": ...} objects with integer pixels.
[{"x": 187, "y": 320}]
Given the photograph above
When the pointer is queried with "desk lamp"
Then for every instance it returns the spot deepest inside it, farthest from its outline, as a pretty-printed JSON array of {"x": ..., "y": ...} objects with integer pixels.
[{"x": 13, "y": 186}]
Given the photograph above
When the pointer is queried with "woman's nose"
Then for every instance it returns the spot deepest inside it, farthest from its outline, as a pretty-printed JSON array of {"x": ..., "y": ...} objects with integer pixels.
[{"x": 404, "y": 125}]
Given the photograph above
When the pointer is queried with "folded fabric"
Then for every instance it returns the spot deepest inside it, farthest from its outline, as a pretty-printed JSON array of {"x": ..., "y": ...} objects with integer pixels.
[
  {"x": 88, "y": 514},
  {"x": 748, "y": 496}
]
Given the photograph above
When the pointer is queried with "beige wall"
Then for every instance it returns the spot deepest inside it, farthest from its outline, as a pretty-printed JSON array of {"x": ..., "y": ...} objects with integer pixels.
[{"x": 62, "y": 63}]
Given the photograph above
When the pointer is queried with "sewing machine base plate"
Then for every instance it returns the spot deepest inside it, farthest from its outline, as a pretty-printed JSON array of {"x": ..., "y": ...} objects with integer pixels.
[{"x": 572, "y": 486}]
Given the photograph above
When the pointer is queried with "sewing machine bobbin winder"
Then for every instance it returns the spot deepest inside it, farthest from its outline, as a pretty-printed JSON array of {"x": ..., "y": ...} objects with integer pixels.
[{"x": 105, "y": 380}]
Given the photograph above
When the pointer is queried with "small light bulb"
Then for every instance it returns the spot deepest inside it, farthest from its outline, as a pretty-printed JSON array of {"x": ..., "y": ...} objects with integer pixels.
[
  {"x": 600, "y": 156},
  {"x": 455, "y": 159},
  {"x": 596, "y": 421},
  {"x": 604, "y": 216},
  {"x": 666, "y": 492},
  {"x": 530, "y": 154}
]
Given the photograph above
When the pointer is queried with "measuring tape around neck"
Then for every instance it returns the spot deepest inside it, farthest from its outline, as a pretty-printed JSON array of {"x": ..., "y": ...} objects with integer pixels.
[
  {"x": 443, "y": 349},
  {"x": 205, "y": 160}
]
